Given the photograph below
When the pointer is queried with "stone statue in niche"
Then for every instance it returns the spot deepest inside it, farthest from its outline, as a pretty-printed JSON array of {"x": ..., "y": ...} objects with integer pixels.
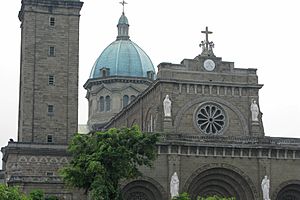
[
  {"x": 265, "y": 186},
  {"x": 254, "y": 111},
  {"x": 174, "y": 185},
  {"x": 167, "y": 106}
]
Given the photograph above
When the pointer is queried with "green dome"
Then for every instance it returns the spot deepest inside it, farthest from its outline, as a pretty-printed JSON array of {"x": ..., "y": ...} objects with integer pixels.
[{"x": 123, "y": 57}]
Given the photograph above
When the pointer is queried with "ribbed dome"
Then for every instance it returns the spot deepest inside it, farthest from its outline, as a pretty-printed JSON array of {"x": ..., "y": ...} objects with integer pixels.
[{"x": 123, "y": 57}]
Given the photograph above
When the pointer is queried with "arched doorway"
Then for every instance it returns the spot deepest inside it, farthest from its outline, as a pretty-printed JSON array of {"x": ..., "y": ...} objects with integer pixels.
[
  {"x": 142, "y": 190},
  {"x": 220, "y": 181},
  {"x": 291, "y": 191}
]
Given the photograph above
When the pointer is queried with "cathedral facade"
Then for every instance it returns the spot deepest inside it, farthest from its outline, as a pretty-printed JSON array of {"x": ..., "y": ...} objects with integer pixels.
[{"x": 206, "y": 110}]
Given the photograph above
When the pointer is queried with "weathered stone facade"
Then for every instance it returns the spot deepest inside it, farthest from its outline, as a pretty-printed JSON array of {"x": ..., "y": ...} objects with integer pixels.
[{"x": 226, "y": 153}]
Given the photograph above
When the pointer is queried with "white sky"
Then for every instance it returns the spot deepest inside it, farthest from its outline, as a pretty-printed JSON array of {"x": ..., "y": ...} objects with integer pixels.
[{"x": 253, "y": 34}]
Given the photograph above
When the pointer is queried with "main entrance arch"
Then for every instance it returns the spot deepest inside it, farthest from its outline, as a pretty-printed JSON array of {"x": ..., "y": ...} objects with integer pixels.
[
  {"x": 143, "y": 190},
  {"x": 223, "y": 180}
]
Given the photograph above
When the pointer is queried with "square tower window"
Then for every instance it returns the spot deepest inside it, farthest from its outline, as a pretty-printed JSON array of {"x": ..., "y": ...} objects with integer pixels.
[
  {"x": 52, "y": 21},
  {"x": 51, "y": 51},
  {"x": 50, "y": 109},
  {"x": 49, "y": 173},
  {"x": 51, "y": 80},
  {"x": 49, "y": 138}
]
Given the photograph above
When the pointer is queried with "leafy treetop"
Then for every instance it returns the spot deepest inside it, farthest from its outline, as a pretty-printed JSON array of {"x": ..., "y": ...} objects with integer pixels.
[{"x": 101, "y": 159}]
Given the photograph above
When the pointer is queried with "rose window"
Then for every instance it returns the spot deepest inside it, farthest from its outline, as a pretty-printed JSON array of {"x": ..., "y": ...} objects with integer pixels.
[{"x": 210, "y": 118}]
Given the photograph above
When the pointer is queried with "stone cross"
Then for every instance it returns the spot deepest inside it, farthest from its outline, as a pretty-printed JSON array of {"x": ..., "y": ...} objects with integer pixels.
[
  {"x": 123, "y": 4},
  {"x": 206, "y": 32}
]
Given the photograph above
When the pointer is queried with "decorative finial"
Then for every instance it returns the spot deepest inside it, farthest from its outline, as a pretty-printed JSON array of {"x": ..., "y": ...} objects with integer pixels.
[
  {"x": 123, "y": 25},
  {"x": 207, "y": 46},
  {"x": 123, "y": 4}
]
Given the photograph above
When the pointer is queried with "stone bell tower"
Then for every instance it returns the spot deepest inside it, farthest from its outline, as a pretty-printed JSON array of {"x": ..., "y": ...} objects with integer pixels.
[
  {"x": 49, "y": 70},
  {"x": 48, "y": 99}
]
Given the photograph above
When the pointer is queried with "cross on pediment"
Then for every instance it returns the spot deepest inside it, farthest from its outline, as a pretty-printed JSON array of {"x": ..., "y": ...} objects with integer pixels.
[
  {"x": 206, "y": 32},
  {"x": 123, "y": 4},
  {"x": 207, "y": 46}
]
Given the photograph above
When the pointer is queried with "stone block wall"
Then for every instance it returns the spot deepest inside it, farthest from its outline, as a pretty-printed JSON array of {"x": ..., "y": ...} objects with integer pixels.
[{"x": 36, "y": 94}]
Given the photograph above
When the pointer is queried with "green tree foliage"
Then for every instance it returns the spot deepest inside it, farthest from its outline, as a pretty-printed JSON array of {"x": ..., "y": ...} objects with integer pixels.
[
  {"x": 215, "y": 198},
  {"x": 11, "y": 193},
  {"x": 40, "y": 195},
  {"x": 183, "y": 196},
  {"x": 36, "y": 195},
  {"x": 102, "y": 159}
]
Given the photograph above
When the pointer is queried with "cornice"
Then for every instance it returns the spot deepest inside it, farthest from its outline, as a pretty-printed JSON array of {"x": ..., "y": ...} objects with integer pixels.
[{"x": 111, "y": 79}]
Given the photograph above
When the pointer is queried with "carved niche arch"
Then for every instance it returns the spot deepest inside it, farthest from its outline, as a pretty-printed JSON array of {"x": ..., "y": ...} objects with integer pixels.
[
  {"x": 150, "y": 118},
  {"x": 144, "y": 188},
  {"x": 240, "y": 115},
  {"x": 289, "y": 190},
  {"x": 221, "y": 179}
]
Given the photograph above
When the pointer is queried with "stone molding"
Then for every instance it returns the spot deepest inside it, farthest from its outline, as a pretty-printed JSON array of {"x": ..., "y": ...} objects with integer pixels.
[
  {"x": 35, "y": 179},
  {"x": 112, "y": 79},
  {"x": 34, "y": 149},
  {"x": 230, "y": 151},
  {"x": 42, "y": 159},
  {"x": 206, "y": 83},
  {"x": 233, "y": 147},
  {"x": 274, "y": 141}
]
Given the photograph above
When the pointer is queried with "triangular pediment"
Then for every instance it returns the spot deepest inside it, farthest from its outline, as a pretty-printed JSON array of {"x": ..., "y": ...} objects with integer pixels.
[
  {"x": 130, "y": 88},
  {"x": 102, "y": 88}
]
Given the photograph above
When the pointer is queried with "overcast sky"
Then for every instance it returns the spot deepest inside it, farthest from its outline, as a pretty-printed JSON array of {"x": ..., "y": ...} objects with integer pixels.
[{"x": 262, "y": 34}]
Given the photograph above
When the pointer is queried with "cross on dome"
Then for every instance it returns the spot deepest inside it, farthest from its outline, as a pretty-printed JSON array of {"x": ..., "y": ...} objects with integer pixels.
[{"x": 123, "y": 4}]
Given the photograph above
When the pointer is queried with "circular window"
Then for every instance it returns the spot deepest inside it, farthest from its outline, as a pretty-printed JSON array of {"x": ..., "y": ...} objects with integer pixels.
[{"x": 211, "y": 119}]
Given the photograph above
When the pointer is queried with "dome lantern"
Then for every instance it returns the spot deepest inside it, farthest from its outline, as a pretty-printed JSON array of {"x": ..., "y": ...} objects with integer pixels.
[{"x": 123, "y": 28}]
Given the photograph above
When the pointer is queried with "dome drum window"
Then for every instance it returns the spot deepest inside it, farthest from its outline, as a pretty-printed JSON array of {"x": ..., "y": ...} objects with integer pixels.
[
  {"x": 150, "y": 75},
  {"x": 105, "y": 104},
  {"x": 125, "y": 100},
  {"x": 104, "y": 72},
  {"x": 210, "y": 119}
]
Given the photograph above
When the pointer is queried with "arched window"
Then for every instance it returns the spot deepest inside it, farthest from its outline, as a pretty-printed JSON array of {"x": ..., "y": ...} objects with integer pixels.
[
  {"x": 107, "y": 103},
  {"x": 101, "y": 104},
  {"x": 125, "y": 100},
  {"x": 132, "y": 97}
]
